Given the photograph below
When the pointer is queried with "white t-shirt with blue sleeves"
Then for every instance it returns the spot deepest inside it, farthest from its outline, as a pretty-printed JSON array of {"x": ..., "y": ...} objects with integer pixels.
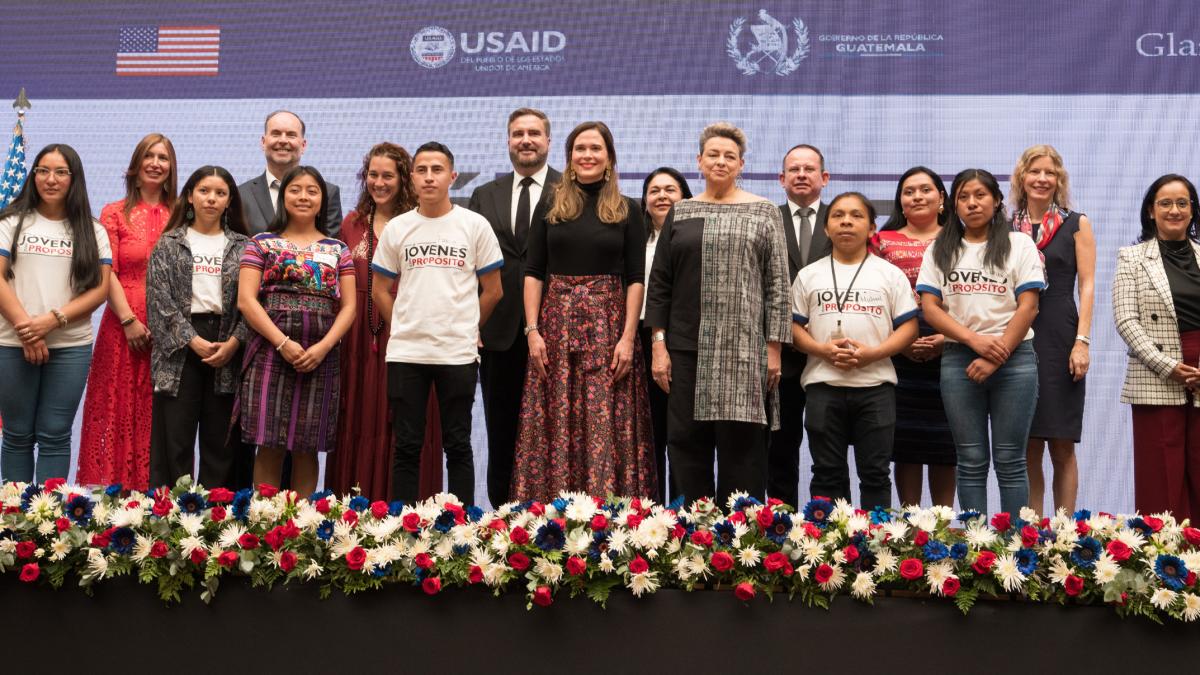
[
  {"x": 979, "y": 298},
  {"x": 435, "y": 319}
]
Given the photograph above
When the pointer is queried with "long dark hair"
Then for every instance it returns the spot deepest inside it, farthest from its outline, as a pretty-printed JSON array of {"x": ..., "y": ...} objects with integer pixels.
[
  {"x": 279, "y": 223},
  {"x": 85, "y": 251},
  {"x": 1149, "y": 229},
  {"x": 949, "y": 242},
  {"x": 897, "y": 220},
  {"x": 684, "y": 190},
  {"x": 406, "y": 195},
  {"x": 133, "y": 192},
  {"x": 183, "y": 215}
]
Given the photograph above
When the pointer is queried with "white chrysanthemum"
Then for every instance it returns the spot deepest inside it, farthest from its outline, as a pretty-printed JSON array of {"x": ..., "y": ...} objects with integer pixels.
[
  {"x": 937, "y": 574},
  {"x": 618, "y": 541},
  {"x": 857, "y": 523},
  {"x": 313, "y": 570},
  {"x": 1191, "y": 559},
  {"x": 673, "y": 546},
  {"x": 97, "y": 565},
  {"x": 59, "y": 548},
  {"x": 191, "y": 523},
  {"x": 606, "y": 565},
  {"x": 895, "y": 529},
  {"x": 264, "y": 511},
  {"x": 943, "y": 512},
  {"x": 885, "y": 562},
  {"x": 126, "y": 517},
  {"x": 739, "y": 530},
  {"x": 811, "y": 551},
  {"x": 1029, "y": 515},
  {"x": 547, "y": 570},
  {"x": 189, "y": 544},
  {"x": 835, "y": 580},
  {"x": 340, "y": 546},
  {"x": 46, "y": 529},
  {"x": 499, "y": 544},
  {"x": 797, "y": 534},
  {"x": 493, "y": 573},
  {"x": 749, "y": 556},
  {"x": 1059, "y": 570},
  {"x": 521, "y": 520},
  {"x": 1191, "y": 607},
  {"x": 839, "y": 556},
  {"x": 230, "y": 534},
  {"x": 979, "y": 535},
  {"x": 141, "y": 548},
  {"x": 651, "y": 533},
  {"x": 1163, "y": 598},
  {"x": 923, "y": 520},
  {"x": 1101, "y": 526},
  {"x": 464, "y": 535},
  {"x": 863, "y": 586},
  {"x": 733, "y": 498},
  {"x": 646, "y": 582},
  {"x": 699, "y": 566},
  {"x": 1130, "y": 537},
  {"x": 380, "y": 530},
  {"x": 1007, "y": 572},
  {"x": 43, "y": 507},
  {"x": 682, "y": 568},
  {"x": 8, "y": 546},
  {"x": 308, "y": 517},
  {"x": 842, "y": 510},
  {"x": 578, "y": 543},
  {"x": 1106, "y": 568},
  {"x": 580, "y": 510},
  {"x": 444, "y": 549}
]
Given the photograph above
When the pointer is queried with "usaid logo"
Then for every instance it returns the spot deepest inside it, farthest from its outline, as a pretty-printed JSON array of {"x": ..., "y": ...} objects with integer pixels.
[
  {"x": 770, "y": 47},
  {"x": 1164, "y": 44},
  {"x": 432, "y": 47}
]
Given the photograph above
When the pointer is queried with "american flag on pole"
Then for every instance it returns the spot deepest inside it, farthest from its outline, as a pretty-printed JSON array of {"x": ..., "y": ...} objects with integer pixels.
[
  {"x": 168, "y": 50},
  {"x": 13, "y": 175}
]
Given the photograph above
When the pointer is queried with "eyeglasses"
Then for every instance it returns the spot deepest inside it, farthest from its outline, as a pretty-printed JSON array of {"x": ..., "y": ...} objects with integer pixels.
[
  {"x": 1166, "y": 204},
  {"x": 43, "y": 172}
]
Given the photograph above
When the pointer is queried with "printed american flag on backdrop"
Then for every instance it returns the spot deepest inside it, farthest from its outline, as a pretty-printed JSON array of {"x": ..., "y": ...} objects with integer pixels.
[
  {"x": 14, "y": 168},
  {"x": 169, "y": 50}
]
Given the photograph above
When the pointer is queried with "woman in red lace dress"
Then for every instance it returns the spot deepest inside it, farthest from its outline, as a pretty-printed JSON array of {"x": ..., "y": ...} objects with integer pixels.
[
  {"x": 364, "y": 456},
  {"x": 115, "y": 442}
]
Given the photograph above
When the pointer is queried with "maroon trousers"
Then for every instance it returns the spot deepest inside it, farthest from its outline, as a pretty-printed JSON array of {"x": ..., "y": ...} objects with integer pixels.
[{"x": 1166, "y": 451}]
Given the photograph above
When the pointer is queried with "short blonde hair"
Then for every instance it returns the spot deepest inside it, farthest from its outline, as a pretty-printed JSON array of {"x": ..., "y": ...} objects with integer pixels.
[
  {"x": 1062, "y": 195},
  {"x": 723, "y": 130}
]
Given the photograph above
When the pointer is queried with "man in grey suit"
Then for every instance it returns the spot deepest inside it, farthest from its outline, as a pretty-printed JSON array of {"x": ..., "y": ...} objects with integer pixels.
[
  {"x": 283, "y": 144},
  {"x": 803, "y": 177},
  {"x": 512, "y": 204}
]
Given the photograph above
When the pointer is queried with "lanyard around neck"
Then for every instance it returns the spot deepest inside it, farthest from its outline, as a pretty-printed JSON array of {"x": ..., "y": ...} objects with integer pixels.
[{"x": 837, "y": 297}]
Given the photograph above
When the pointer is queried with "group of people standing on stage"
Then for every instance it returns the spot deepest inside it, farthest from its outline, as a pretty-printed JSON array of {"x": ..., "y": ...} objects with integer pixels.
[{"x": 947, "y": 341}]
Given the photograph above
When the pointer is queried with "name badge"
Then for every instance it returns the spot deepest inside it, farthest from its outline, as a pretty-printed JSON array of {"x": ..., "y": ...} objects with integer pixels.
[{"x": 327, "y": 259}]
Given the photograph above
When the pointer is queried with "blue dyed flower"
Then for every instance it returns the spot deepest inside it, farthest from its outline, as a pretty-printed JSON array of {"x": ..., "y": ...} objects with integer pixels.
[
  {"x": 395, "y": 508},
  {"x": 1171, "y": 570},
  {"x": 1027, "y": 561},
  {"x": 318, "y": 496},
  {"x": 818, "y": 510},
  {"x": 325, "y": 530},
  {"x": 1087, "y": 550},
  {"x": 745, "y": 502},
  {"x": 958, "y": 551},
  {"x": 550, "y": 537},
  {"x": 781, "y": 526},
  {"x": 880, "y": 515},
  {"x": 676, "y": 503},
  {"x": 240, "y": 506},
  {"x": 1142, "y": 526},
  {"x": 444, "y": 522},
  {"x": 474, "y": 514},
  {"x": 723, "y": 532},
  {"x": 122, "y": 540},
  {"x": 382, "y": 571},
  {"x": 461, "y": 549},
  {"x": 1082, "y": 514},
  {"x": 31, "y": 491},
  {"x": 969, "y": 515},
  {"x": 114, "y": 490},
  {"x": 79, "y": 509},
  {"x": 190, "y": 502},
  {"x": 559, "y": 504},
  {"x": 934, "y": 550},
  {"x": 523, "y": 506},
  {"x": 359, "y": 503}
]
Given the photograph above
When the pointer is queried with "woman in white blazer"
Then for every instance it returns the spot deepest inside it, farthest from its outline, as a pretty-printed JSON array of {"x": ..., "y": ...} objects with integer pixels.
[{"x": 1156, "y": 305}]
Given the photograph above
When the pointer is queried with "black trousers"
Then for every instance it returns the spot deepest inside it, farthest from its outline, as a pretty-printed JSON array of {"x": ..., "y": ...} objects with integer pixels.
[
  {"x": 783, "y": 455},
  {"x": 408, "y": 390},
  {"x": 741, "y": 447},
  {"x": 864, "y": 417},
  {"x": 502, "y": 381},
  {"x": 174, "y": 421},
  {"x": 658, "y": 418}
]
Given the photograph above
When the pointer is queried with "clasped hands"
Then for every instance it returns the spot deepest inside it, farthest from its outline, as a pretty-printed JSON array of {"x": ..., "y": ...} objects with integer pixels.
[
  {"x": 848, "y": 353},
  {"x": 214, "y": 354},
  {"x": 32, "y": 332}
]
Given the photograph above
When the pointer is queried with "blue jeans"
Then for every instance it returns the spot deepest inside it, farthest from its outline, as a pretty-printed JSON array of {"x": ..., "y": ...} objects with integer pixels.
[
  {"x": 38, "y": 405},
  {"x": 1008, "y": 398}
]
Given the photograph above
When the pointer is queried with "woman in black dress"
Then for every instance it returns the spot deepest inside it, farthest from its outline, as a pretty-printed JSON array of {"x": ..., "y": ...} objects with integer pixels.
[{"x": 1061, "y": 332}]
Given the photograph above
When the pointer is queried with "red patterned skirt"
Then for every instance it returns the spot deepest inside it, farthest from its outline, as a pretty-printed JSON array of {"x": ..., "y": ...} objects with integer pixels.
[{"x": 579, "y": 430}]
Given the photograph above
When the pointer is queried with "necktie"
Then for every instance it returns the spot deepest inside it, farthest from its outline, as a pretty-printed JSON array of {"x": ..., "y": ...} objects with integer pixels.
[
  {"x": 274, "y": 186},
  {"x": 521, "y": 226},
  {"x": 804, "y": 233}
]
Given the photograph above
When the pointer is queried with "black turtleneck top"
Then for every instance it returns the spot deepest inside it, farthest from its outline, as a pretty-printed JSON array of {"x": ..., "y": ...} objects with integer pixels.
[
  {"x": 586, "y": 246},
  {"x": 1183, "y": 273}
]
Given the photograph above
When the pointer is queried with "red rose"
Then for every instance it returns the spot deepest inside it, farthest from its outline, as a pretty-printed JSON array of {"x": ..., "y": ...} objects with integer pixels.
[
  {"x": 983, "y": 564},
  {"x": 53, "y": 484},
  {"x": 632, "y": 521},
  {"x": 911, "y": 568},
  {"x": 356, "y": 558},
  {"x": 432, "y": 585},
  {"x": 678, "y": 532},
  {"x": 460, "y": 516},
  {"x": 851, "y": 553},
  {"x": 599, "y": 522},
  {"x": 1029, "y": 536},
  {"x": 788, "y": 570},
  {"x": 132, "y": 504},
  {"x": 744, "y": 591},
  {"x": 638, "y": 565},
  {"x": 1002, "y": 521},
  {"x": 498, "y": 525},
  {"x": 518, "y": 561},
  {"x": 537, "y": 509},
  {"x": 30, "y": 572},
  {"x": 274, "y": 538},
  {"x": 823, "y": 573},
  {"x": 1119, "y": 550},
  {"x": 26, "y": 549},
  {"x": 519, "y": 536},
  {"x": 423, "y": 560},
  {"x": 737, "y": 517},
  {"x": 774, "y": 501},
  {"x": 248, "y": 541},
  {"x": 1155, "y": 524},
  {"x": 812, "y": 531},
  {"x": 198, "y": 556},
  {"x": 765, "y": 518},
  {"x": 62, "y": 524},
  {"x": 411, "y": 521},
  {"x": 159, "y": 549},
  {"x": 322, "y": 506},
  {"x": 702, "y": 538},
  {"x": 287, "y": 561},
  {"x": 1082, "y": 528},
  {"x": 267, "y": 491},
  {"x": 217, "y": 514},
  {"x": 1073, "y": 585},
  {"x": 1191, "y": 578},
  {"x": 475, "y": 575},
  {"x": 350, "y": 516},
  {"x": 101, "y": 539},
  {"x": 576, "y": 566},
  {"x": 227, "y": 559},
  {"x": 775, "y": 562},
  {"x": 920, "y": 538},
  {"x": 220, "y": 496},
  {"x": 542, "y": 596},
  {"x": 161, "y": 508},
  {"x": 950, "y": 587},
  {"x": 379, "y": 509},
  {"x": 636, "y": 504},
  {"x": 721, "y": 561},
  {"x": 1192, "y": 535}
]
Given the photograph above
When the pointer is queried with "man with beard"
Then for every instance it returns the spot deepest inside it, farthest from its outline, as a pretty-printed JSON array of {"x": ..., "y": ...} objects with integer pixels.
[
  {"x": 512, "y": 204},
  {"x": 283, "y": 143}
]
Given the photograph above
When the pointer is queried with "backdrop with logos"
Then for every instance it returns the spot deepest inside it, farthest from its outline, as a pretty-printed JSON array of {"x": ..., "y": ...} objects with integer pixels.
[{"x": 879, "y": 87}]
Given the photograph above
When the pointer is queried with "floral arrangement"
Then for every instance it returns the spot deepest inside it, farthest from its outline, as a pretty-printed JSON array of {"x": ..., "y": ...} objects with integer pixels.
[{"x": 190, "y": 537}]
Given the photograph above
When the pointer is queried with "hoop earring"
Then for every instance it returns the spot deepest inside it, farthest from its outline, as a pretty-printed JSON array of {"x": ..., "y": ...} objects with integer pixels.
[{"x": 190, "y": 214}]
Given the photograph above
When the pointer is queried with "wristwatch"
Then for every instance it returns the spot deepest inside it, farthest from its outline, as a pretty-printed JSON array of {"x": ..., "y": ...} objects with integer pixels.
[
  {"x": 659, "y": 336},
  {"x": 530, "y": 328}
]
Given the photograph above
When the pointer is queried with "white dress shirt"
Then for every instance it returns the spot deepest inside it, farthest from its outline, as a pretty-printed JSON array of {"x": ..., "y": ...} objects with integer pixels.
[{"x": 535, "y": 193}]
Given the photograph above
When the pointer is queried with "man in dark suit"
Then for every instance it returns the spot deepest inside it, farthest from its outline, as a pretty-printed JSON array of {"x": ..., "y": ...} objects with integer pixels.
[
  {"x": 511, "y": 203},
  {"x": 803, "y": 177},
  {"x": 283, "y": 144}
]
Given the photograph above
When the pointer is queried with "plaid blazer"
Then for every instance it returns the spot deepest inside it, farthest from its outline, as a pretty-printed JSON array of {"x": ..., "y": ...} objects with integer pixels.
[{"x": 1145, "y": 315}]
